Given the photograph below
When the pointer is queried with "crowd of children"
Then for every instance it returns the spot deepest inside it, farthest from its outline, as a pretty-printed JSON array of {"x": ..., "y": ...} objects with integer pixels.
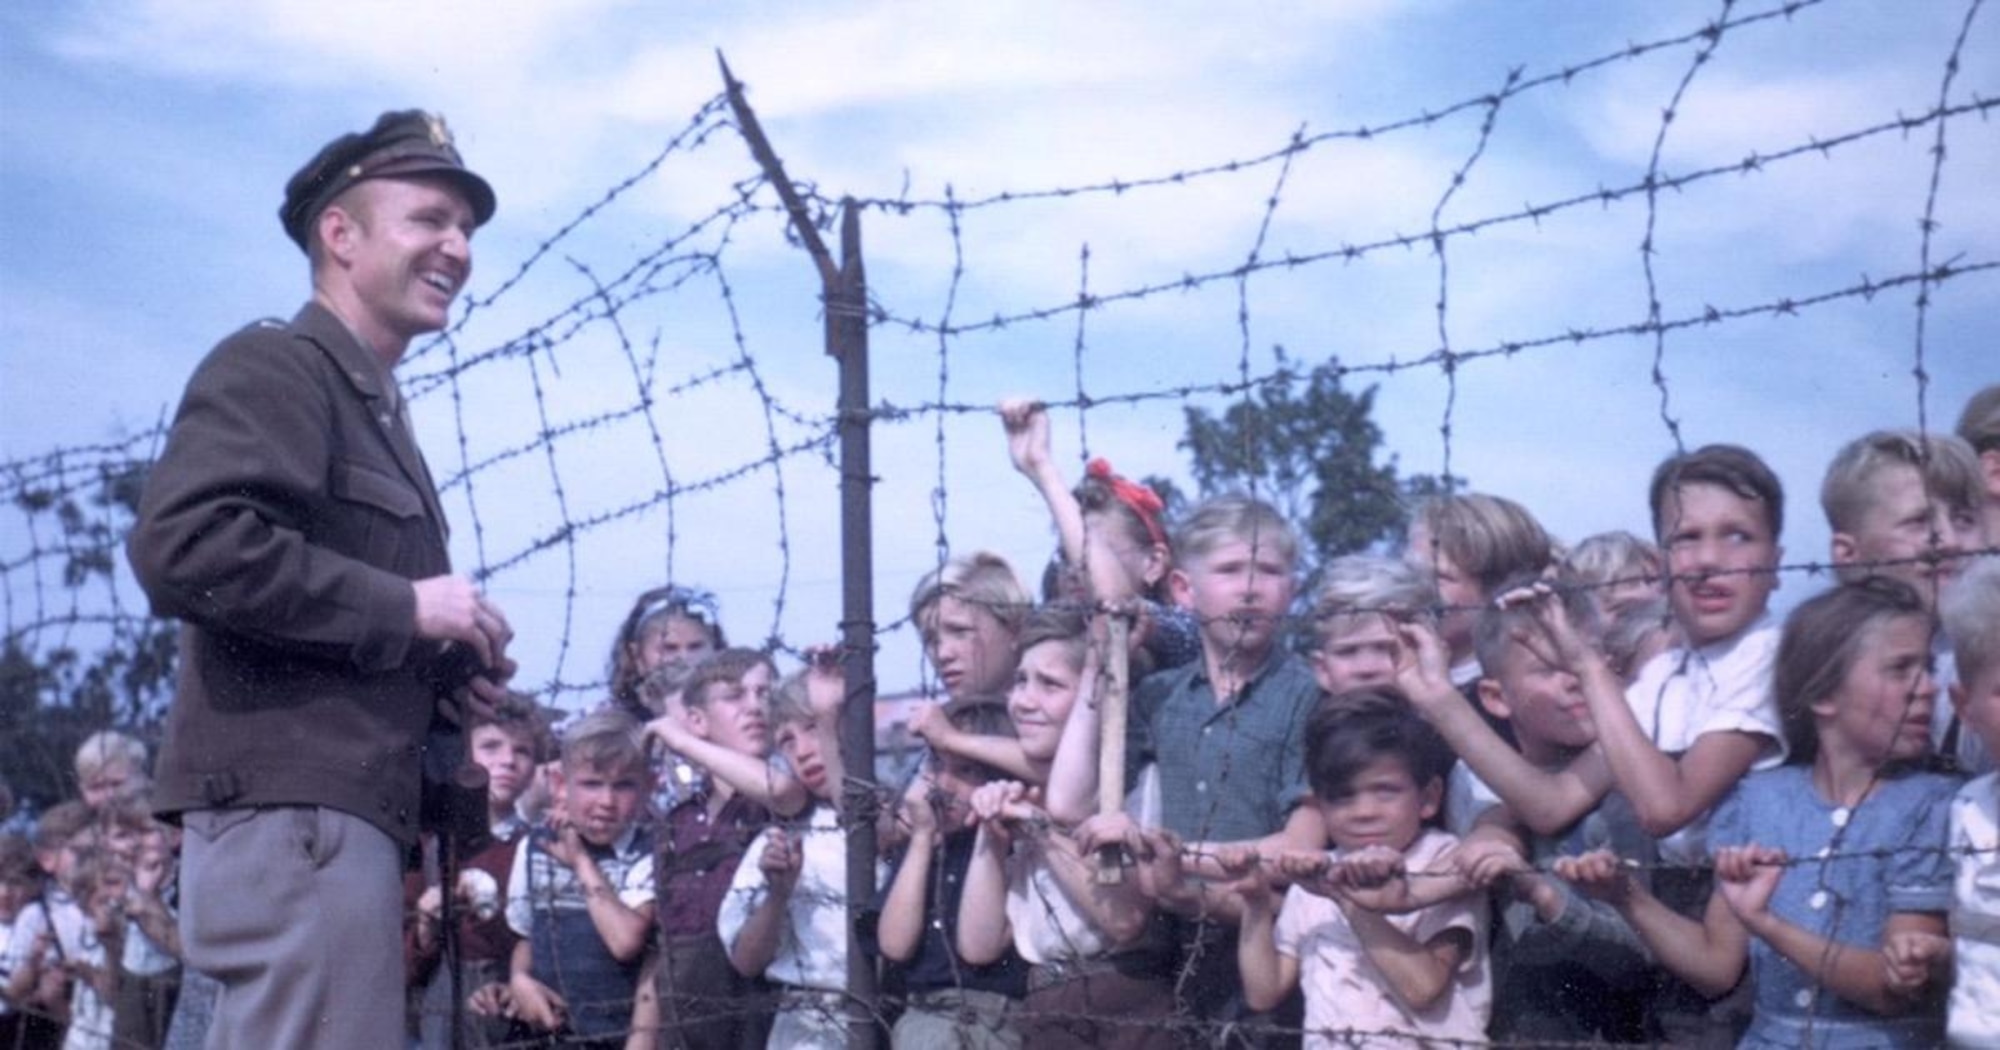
[{"x": 1504, "y": 789}]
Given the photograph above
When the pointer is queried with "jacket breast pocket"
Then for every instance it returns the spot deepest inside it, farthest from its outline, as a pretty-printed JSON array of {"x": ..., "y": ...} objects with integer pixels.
[{"x": 381, "y": 517}]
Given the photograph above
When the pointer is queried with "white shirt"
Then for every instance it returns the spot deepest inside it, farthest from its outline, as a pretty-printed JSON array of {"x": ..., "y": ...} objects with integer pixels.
[
  {"x": 1048, "y": 926},
  {"x": 1345, "y": 990},
  {"x": 812, "y": 946},
  {"x": 1973, "y": 1014},
  {"x": 90, "y": 1017},
  {"x": 1684, "y": 694}
]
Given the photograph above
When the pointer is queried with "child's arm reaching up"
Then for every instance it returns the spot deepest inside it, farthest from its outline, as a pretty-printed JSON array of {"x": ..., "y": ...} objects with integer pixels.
[
  {"x": 1547, "y": 802},
  {"x": 1746, "y": 876},
  {"x": 1667, "y": 792},
  {"x": 748, "y": 775},
  {"x": 930, "y": 724}
]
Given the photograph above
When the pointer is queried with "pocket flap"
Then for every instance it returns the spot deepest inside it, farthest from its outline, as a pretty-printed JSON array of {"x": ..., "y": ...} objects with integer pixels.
[{"x": 360, "y": 484}]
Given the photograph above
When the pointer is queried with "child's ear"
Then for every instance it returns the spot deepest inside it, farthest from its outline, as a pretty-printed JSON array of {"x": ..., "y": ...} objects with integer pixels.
[
  {"x": 1180, "y": 588},
  {"x": 1159, "y": 562},
  {"x": 1433, "y": 799},
  {"x": 1845, "y": 550},
  {"x": 1494, "y": 698},
  {"x": 696, "y": 720},
  {"x": 1320, "y": 674}
]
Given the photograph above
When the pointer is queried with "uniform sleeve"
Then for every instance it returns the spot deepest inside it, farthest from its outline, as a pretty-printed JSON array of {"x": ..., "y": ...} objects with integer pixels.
[
  {"x": 222, "y": 532},
  {"x": 746, "y": 891},
  {"x": 1920, "y": 869}
]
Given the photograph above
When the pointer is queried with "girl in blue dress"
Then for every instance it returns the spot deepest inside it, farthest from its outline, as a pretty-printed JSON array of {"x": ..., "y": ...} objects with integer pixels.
[{"x": 1822, "y": 861}]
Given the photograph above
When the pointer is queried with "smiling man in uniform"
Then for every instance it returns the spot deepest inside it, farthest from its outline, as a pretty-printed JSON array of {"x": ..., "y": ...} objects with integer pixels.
[{"x": 292, "y": 526}]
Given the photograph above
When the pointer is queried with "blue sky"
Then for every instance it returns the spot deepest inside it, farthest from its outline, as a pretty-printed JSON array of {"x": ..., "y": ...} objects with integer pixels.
[{"x": 146, "y": 144}]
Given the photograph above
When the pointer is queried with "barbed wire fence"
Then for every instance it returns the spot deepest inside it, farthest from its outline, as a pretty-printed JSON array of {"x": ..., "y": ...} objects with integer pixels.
[{"x": 641, "y": 415}]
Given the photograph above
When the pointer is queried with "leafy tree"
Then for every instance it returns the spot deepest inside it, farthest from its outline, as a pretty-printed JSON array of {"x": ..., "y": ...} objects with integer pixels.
[
  {"x": 1308, "y": 446},
  {"x": 108, "y": 668}
]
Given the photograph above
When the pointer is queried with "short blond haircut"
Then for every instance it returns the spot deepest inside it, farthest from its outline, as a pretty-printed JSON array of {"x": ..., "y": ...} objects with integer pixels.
[
  {"x": 1970, "y": 609},
  {"x": 1615, "y": 556},
  {"x": 982, "y": 579},
  {"x": 790, "y": 703},
  {"x": 107, "y": 748},
  {"x": 1219, "y": 519},
  {"x": 604, "y": 742},
  {"x": 1364, "y": 584},
  {"x": 1491, "y": 539},
  {"x": 1947, "y": 464}
]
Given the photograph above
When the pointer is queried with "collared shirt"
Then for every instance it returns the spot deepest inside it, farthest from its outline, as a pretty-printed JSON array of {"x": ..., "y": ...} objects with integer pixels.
[
  {"x": 1228, "y": 771},
  {"x": 698, "y": 856},
  {"x": 1684, "y": 694}
]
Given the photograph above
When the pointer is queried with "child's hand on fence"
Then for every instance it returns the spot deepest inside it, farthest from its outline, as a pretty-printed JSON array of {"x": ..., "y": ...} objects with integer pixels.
[
  {"x": 492, "y": 999},
  {"x": 1912, "y": 959},
  {"x": 1162, "y": 876},
  {"x": 1599, "y": 875},
  {"x": 826, "y": 680},
  {"x": 920, "y": 808},
  {"x": 1027, "y": 426},
  {"x": 781, "y": 860},
  {"x": 1746, "y": 876},
  {"x": 1483, "y": 862},
  {"x": 1118, "y": 830},
  {"x": 536, "y": 1004},
  {"x": 1423, "y": 668},
  {"x": 1248, "y": 876},
  {"x": 566, "y": 844},
  {"x": 1376, "y": 878}
]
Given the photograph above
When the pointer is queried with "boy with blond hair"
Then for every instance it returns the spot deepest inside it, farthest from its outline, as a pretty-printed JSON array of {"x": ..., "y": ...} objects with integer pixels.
[
  {"x": 1470, "y": 544},
  {"x": 111, "y": 766},
  {"x": 1905, "y": 504},
  {"x": 580, "y": 894},
  {"x": 1228, "y": 730},
  {"x": 1357, "y": 619},
  {"x": 784, "y": 916}
]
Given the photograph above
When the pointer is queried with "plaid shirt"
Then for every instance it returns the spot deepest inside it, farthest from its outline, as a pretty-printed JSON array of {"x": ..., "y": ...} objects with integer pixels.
[{"x": 1228, "y": 771}]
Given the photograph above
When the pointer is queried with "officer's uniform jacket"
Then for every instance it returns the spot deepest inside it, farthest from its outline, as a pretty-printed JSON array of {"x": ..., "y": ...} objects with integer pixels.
[{"x": 283, "y": 524}]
